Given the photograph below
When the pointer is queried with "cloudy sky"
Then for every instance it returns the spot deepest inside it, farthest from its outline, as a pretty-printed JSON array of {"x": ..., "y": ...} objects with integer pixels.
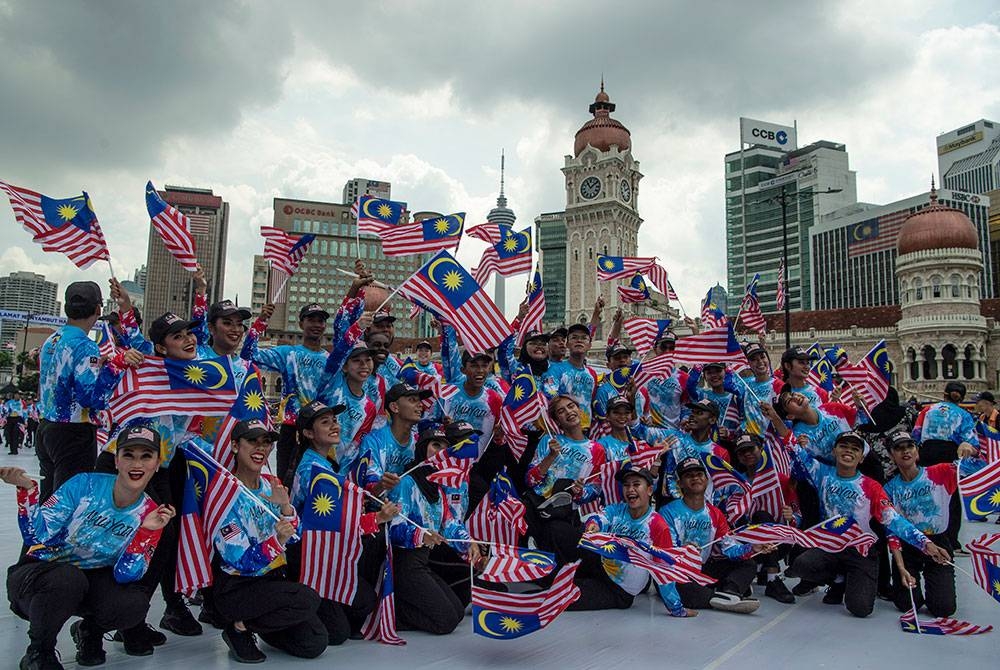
[{"x": 291, "y": 99}]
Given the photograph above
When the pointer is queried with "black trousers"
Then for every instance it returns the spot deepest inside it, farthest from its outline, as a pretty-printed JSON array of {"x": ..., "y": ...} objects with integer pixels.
[
  {"x": 938, "y": 591},
  {"x": 494, "y": 459},
  {"x": 860, "y": 573},
  {"x": 933, "y": 452},
  {"x": 64, "y": 450},
  {"x": 558, "y": 536},
  {"x": 29, "y": 438},
  {"x": 424, "y": 601},
  {"x": 283, "y": 613},
  {"x": 288, "y": 453},
  {"x": 733, "y": 577},
  {"x": 597, "y": 591},
  {"x": 12, "y": 433},
  {"x": 47, "y": 594}
]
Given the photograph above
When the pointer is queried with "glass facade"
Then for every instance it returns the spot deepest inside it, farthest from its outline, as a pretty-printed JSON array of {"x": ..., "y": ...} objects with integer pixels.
[{"x": 550, "y": 236}]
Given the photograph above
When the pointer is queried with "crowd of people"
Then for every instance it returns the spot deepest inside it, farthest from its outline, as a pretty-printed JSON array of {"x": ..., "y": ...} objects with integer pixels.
[{"x": 100, "y": 526}]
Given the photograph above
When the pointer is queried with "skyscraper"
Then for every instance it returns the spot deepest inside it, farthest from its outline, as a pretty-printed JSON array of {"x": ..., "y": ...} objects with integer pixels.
[
  {"x": 169, "y": 287},
  {"x": 360, "y": 186},
  {"x": 26, "y": 292}
]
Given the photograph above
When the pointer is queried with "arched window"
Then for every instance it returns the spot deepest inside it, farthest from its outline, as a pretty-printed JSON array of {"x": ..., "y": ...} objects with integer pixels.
[
  {"x": 955, "y": 286},
  {"x": 918, "y": 283},
  {"x": 930, "y": 368},
  {"x": 914, "y": 364},
  {"x": 935, "y": 287},
  {"x": 969, "y": 365},
  {"x": 949, "y": 366}
]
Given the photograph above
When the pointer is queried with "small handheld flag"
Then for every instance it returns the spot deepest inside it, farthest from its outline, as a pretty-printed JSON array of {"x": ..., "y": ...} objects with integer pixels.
[{"x": 173, "y": 228}]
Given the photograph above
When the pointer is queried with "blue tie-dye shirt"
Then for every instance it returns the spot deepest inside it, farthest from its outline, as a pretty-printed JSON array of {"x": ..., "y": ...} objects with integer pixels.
[{"x": 73, "y": 385}]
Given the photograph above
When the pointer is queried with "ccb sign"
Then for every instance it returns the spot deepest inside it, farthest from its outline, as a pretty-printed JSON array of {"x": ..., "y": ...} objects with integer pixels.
[{"x": 767, "y": 134}]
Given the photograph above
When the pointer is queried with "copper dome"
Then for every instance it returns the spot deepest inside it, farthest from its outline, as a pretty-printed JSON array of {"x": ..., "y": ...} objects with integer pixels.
[
  {"x": 602, "y": 131},
  {"x": 936, "y": 227}
]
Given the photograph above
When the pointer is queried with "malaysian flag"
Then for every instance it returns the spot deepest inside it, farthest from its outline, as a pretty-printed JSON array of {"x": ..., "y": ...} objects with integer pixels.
[
  {"x": 642, "y": 454},
  {"x": 499, "y": 516},
  {"x": 283, "y": 250},
  {"x": 711, "y": 315},
  {"x": 660, "y": 366},
  {"x": 414, "y": 376},
  {"x": 449, "y": 290},
  {"x": 940, "y": 626},
  {"x": 210, "y": 492},
  {"x": 505, "y": 616},
  {"x": 671, "y": 293},
  {"x": 619, "y": 267},
  {"x": 491, "y": 233},
  {"x": 765, "y": 489},
  {"x": 768, "y": 533},
  {"x": 377, "y": 216},
  {"x": 821, "y": 371},
  {"x": 611, "y": 491},
  {"x": 658, "y": 277},
  {"x": 250, "y": 404},
  {"x": 986, "y": 563},
  {"x": 331, "y": 535},
  {"x": 878, "y": 234},
  {"x": 989, "y": 441},
  {"x": 675, "y": 564},
  {"x": 381, "y": 624},
  {"x": 750, "y": 308},
  {"x": 105, "y": 340},
  {"x": 521, "y": 406},
  {"x": 536, "y": 308},
  {"x": 643, "y": 333},
  {"x": 870, "y": 375},
  {"x": 515, "y": 564},
  {"x": 172, "y": 226},
  {"x": 510, "y": 256},
  {"x": 423, "y": 237},
  {"x": 725, "y": 478},
  {"x": 452, "y": 465},
  {"x": 712, "y": 346},
  {"x": 838, "y": 534},
  {"x": 981, "y": 491},
  {"x": 165, "y": 387},
  {"x": 636, "y": 291},
  {"x": 779, "y": 298},
  {"x": 68, "y": 226}
]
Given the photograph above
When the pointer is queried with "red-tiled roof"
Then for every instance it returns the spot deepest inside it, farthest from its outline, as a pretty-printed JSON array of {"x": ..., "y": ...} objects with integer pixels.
[{"x": 837, "y": 319}]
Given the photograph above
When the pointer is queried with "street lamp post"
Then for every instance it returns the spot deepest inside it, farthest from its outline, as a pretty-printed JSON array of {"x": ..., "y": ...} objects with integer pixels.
[{"x": 19, "y": 366}]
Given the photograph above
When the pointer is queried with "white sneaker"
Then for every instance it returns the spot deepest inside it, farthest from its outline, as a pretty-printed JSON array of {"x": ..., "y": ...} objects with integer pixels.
[{"x": 730, "y": 602}]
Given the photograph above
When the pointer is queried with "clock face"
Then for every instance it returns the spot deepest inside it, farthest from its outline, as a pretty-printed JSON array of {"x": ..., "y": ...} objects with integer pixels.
[
  {"x": 626, "y": 190},
  {"x": 590, "y": 188}
]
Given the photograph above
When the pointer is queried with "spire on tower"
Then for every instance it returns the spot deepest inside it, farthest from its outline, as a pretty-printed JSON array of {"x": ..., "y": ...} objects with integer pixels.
[{"x": 501, "y": 214}]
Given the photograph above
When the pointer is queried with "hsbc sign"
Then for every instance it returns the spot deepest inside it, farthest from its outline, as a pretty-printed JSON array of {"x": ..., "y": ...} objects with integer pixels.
[{"x": 767, "y": 134}]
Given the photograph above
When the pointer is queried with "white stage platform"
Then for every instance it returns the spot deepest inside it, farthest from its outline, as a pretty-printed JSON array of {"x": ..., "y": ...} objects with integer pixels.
[{"x": 807, "y": 634}]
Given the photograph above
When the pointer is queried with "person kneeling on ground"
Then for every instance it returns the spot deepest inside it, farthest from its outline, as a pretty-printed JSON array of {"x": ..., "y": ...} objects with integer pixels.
[{"x": 87, "y": 546}]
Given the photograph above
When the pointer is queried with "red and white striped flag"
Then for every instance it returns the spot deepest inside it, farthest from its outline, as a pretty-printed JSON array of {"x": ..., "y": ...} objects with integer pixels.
[
  {"x": 768, "y": 533},
  {"x": 426, "y": 236},
  {"x": 194, "y": 553},
  {"x": 750, "y": 308},
  {"x": 840, "y": 533},
  {"x": 711, "y": 346},
  {"x": 643, "y": 333},
  {"x": 673, "y": 564},
  {"x": 610, "y": 489},
  {"x": 657, "y": 367},
  {"x": 516, "y": 564},
  {"x": 940, "y": 626},
  {"x": 510, "y": 256},
  {"x": 285, "y": 251},
  {"x": 779, "y": 300},
  {"x": 986, "y": 563},
  {"x": 105, "y": 340},
  {"x": 490, "y": 233},
  {"x": 536, "y": 307},
  {"x": 449, "y": 471},
  {"x": 173, "y": 228},
  {"x": 381, "y": 624},
  {"x": 657, "y": 276},
  {"x": 499, "y": 516},
  {"x": 870, "y": 376},
  {"x": 67, "y": 226},
  {"x": 524, "y": 612},
  {"x": 616, "y": 267}
]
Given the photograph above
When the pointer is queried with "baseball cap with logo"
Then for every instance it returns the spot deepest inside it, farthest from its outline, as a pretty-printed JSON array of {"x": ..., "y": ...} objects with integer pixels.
[
  {"x": 251, "y": 429},
  {"x": 313, "y": 410},
  {"x": 139, "y": 436},
  {"x": 459, "y": 430},
  {"x": 225, "y": 308},
  {"x": 689, "y": 465},
  {"x": 705, "y": 404},
  {"x": 313, "y": 309},
  {"x": 383, "y": 316},
  {"x": 168, "y": 324},
  {"x": 399, "y": 390}
]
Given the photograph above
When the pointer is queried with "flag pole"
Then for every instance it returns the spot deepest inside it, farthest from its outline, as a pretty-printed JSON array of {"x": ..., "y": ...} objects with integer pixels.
[
  {"x": 280, "y": 288},
  {"x": 916, "y": 621},
  {"x": 357, "y": 228},
  {"x": 396, "y": 290},
  {"x": 376, "y": 284},
  {"x": 110, "y": 267}
]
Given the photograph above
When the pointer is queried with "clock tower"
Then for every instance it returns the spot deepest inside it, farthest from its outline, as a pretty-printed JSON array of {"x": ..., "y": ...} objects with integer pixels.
[{"x": 602, "y": 213}]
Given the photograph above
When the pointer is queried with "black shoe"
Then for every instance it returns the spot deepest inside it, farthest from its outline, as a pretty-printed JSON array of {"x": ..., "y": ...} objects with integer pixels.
[
  {"x": 179, "y": 621},
  {"x": 40, "y": 659},
  {"x": 242, "y": 646},
  {"x": 776, "y": 589},
  {"x": 140, "y": 640},
  {"x": 804, "y": 588},
  {"x": 89, "y": 644},
  {"x": 212, "y": 618},
  {"x": 835, "y": 593},
  {"x": 762, "y": 578}
]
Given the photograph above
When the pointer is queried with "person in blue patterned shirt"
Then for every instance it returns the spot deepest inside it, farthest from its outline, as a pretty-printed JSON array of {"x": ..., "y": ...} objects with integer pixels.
[{"x": 86, "y": 546}]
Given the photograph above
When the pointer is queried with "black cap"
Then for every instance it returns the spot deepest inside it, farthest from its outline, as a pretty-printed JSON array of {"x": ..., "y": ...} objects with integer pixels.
[
  {"x": 796, "y": 352},
  {"x": 433, "y": 433},
  {"x": 668, "y": 336},
  {"x": 900, "y": 437},
  {"x": 754, "y": 348},
  {"x": 689, "y": 465},
  {"x": 714, "y": 364},
  {"x": 578, "y": 328},
  {"x": 747, "y": 441},
  {"x": 383, "y": 315},
  {"x": 852, "y": 436},
  {"x": 313, "y": 309},
  {"x": 619, "y": 349},
  {"x": 708, "y": 405},
  {"x": 986, "y": 395},
  {"x": 618, "y": 401},
  {"x": 251, "y": 429},
  {"x": 168, "y": 324},
  {"x": 313, "y": 410},
  {"x": 227, "y": 308},
  {"x": 139, "y": 436},
  {"x": 83, "y": 294},
  {"x": 537, "y": 335},
  {"x": 424, "y": 344},
  {"x": 561, "y": 331},
  {"x": 456, "y": 431},
  {"x": 467, "y": 357},
  {"x": 399, "y": 390},
  {"x": 359, "y": 349},
  {"x": 638, "y": 472},
  {"x": 955, "y": 387}
]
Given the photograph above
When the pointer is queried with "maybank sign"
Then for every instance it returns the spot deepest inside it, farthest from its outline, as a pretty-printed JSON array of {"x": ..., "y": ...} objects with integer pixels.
[{"x": 767, "y": 134}]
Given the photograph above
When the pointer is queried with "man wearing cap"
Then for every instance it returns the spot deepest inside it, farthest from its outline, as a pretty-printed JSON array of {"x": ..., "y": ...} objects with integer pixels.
[
  {"x": 693, "y": 442},
  {"x": 922, "y": 496},
  {"x": 795, "y": 365},
  {"x": 424, "y": 362},
  {"x": 557, "y": 348},
  {"x": 574, "y": 378},
  {"x": 749, "y": 454},
  {"x": 74, "y": 385},
  {"x": 609, "y": 584},
  {"x": 694, "y": 520},
  {"x": 667, "y": 395},
  {"x": 946, "y": 432},
  {"x": 843, "y": 491},
  {"x": 612, "y": 384},
  {"x": 348, "y": 389},
  {"x": 390, "y": 447},
  {"x": 758, "y": 388},
  {"x": 85, "y": 548},
  {"x": 617, "y": 442},
  {"x": 720, "y": 390}
]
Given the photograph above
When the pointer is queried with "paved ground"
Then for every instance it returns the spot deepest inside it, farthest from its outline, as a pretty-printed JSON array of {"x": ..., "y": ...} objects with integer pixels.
[{"x": 807, "y": 634}]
